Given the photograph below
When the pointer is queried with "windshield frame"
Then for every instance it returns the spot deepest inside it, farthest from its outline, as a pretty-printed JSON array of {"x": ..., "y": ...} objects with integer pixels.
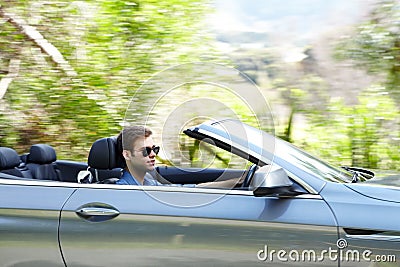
[
  {"x": 263, "y": 148},
  {"x": 311, "y": 164}
]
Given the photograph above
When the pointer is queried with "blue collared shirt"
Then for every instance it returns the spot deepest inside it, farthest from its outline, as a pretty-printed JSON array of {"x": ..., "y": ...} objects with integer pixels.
[{"x": 128, "y": 179}]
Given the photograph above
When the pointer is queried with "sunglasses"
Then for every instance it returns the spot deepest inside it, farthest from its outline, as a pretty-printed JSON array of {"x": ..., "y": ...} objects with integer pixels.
[{"x": 147, "y": 150}]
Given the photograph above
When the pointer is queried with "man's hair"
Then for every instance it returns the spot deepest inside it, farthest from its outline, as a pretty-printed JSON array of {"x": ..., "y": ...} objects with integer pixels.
[{"x": 128, "y": 136}]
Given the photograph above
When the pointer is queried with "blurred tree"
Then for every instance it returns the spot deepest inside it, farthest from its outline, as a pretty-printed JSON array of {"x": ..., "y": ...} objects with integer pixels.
[
  {"x": 364, "y": 135},
  {"x": 303, "y": 93},
  {"x": 68, "y": 69},
  {"x": 375, "y": 45}
]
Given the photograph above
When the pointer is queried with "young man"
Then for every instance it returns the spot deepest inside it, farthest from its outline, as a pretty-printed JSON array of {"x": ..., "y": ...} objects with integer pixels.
[{"x": 139, "y": 152}]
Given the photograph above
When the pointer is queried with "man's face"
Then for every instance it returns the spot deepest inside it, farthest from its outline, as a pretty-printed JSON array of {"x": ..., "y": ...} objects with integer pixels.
[{"x": 137, "y": 160}]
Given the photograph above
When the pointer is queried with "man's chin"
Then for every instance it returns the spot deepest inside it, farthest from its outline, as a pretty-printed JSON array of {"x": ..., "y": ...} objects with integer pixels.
[{"x": 151, "y": 168}]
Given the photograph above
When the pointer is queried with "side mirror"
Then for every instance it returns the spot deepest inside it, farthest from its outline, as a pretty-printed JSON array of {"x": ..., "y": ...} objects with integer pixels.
[{"x": 272, "y": 180}]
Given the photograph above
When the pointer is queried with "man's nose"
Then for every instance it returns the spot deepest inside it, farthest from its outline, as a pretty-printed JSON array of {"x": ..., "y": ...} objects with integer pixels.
[{"x": 152, "y": 154}]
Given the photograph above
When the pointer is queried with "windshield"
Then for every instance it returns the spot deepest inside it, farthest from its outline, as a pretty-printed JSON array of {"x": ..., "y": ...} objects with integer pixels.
[
  {"x": 250, "y": 140},
  {"x": 311, "y": 164}
]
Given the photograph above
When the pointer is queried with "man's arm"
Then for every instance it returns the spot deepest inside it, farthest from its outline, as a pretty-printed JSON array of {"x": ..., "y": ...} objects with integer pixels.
[{"x": 231, "y": 183}]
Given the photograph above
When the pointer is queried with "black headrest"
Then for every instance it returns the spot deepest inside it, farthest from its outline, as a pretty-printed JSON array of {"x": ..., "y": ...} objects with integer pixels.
[
  {"x": 104, "y": 154},
  {"x": 8, "y": 158},
  {"x": 42, "y": 154}
]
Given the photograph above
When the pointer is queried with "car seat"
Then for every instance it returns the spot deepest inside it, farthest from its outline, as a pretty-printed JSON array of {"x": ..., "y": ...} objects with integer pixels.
[
  {"x": 10, "y": 163},
  {"x": 41, "y": 163},
  {"x": 104, "y": 161}
]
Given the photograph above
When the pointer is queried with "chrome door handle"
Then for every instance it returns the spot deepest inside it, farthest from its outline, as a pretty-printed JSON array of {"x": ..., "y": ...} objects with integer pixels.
[{"x": 97, "y": 212}]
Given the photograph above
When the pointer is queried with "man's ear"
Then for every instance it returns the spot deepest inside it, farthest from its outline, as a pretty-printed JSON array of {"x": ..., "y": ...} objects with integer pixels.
[{"x": 127, "y": 154}]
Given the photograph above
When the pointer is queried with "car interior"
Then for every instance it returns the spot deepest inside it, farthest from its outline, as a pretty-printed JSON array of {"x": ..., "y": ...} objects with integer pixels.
[{"x": 104, "y": 165}]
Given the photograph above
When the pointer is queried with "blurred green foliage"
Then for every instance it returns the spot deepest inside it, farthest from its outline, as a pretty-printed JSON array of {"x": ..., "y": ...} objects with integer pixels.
[
  {"x": 306, "y": 94},
  {"x": 112, "y": 46},
  {"x": 366, "y": 134},
  {"x": 375, "y": 46}
]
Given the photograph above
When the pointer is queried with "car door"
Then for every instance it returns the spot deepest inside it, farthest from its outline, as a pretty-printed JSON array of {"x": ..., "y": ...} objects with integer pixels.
[
  {"x": 114, "y": 225},
  {"x": 368, "y": 225},
  {"x": 29, "y": 216}
]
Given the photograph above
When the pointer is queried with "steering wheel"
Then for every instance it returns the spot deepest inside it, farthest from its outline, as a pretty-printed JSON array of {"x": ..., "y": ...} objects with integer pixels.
[{"x": 249, "y": 175}]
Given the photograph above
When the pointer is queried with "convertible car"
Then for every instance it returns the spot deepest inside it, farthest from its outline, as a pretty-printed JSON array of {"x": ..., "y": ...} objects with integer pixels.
[{"x": 291, "y": 209}]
